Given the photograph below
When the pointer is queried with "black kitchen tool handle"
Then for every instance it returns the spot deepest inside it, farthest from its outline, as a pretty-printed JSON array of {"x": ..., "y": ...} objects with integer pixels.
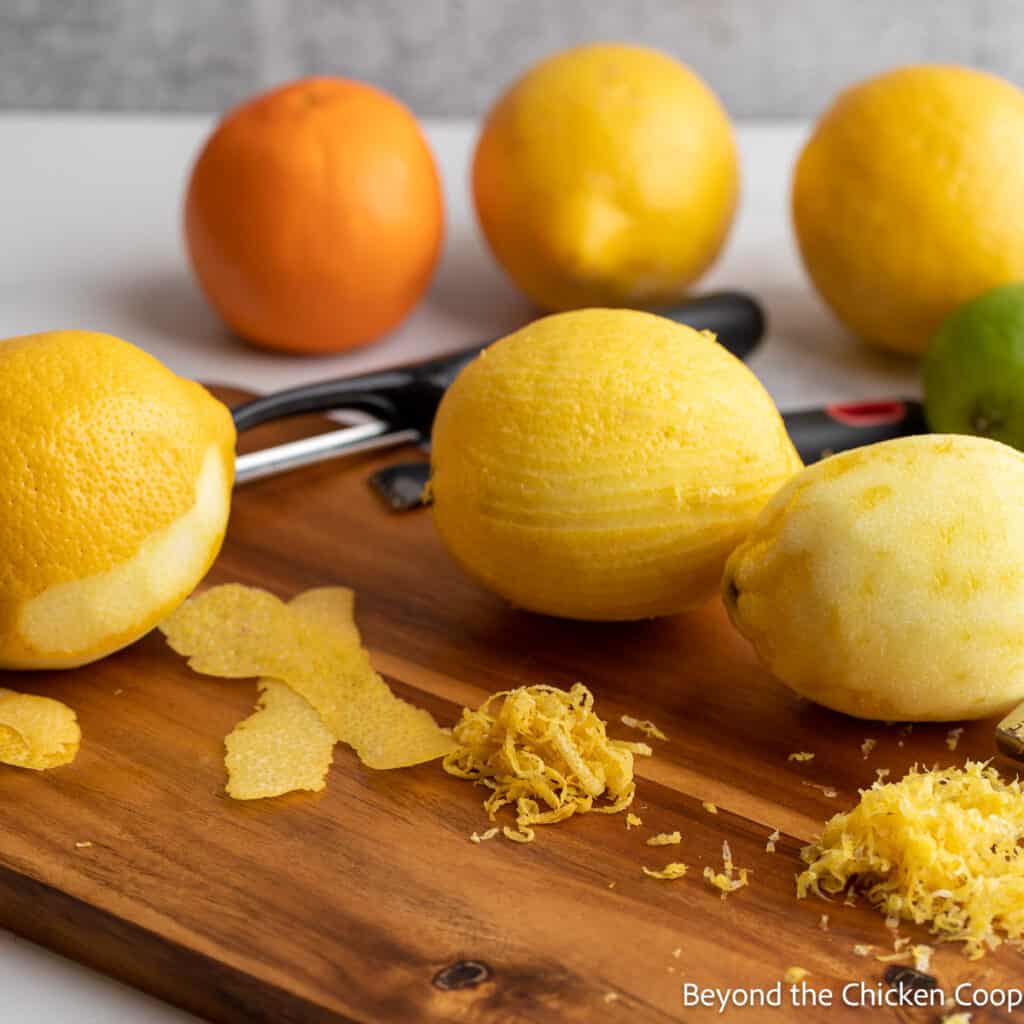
[
  {"x": 408, "y": 396},
  {"x": 817, "y": 433},
  {"x": 736, "y": 319}
]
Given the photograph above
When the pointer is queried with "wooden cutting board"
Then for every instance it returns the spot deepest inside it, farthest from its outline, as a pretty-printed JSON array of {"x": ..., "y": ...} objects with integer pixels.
[{"x": 368, "y": 902}]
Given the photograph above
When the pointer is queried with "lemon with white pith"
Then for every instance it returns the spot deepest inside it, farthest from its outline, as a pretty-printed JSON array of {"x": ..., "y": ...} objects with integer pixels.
[
  {"x": 115, "y": 485},
  {"x": 601, "y": 464},
  {"x": 888, "y": 581}
]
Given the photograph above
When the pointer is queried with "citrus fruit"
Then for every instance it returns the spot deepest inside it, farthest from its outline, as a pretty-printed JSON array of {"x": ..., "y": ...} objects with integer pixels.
[
  {"x": 974, "y": 368},
  {"x": 602, "y": 463},
  {"x": 115, "y": 481},
  {"x": 887, "y": 582},
  {"x": 607, "y": 175},
  {"x": 314, "y": 216},
  {"x": 906, "y": 199}
]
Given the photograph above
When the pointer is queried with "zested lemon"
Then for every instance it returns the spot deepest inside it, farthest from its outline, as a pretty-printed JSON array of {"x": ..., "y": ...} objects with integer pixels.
[
  {"x": 115, "y": 485},
  {"x": 888, "y": 581},
  {"x": 602, "y": 464}
]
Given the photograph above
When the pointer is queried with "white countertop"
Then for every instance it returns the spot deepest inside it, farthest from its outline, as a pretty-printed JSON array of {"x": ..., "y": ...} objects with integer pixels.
[{"x": 91, "y": 239}]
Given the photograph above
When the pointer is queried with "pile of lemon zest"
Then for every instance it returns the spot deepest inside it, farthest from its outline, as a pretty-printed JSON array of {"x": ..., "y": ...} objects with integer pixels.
[
  {"x": 938, "y": 847},
  {"x": 545, "y": 753}
]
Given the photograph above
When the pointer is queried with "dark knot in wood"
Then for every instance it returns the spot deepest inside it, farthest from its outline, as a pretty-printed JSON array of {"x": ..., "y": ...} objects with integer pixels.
[
  {"x": 462, "y": 974},
  {"x": 901, "y": 976}
]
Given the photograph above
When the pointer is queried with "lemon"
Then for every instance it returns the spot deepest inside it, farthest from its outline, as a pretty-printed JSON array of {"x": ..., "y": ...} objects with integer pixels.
[
  {"x": 607, "y": 175},
  {"x": 115, "y": 484},
  {"x": 906, "y": 199},
  {"x": 601, "y": 464},
  {"x": 888, "y": 582}
]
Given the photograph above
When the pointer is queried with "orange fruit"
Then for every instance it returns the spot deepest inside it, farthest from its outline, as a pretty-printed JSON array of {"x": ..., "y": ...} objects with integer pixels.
[{"x": 314, "y": 216}]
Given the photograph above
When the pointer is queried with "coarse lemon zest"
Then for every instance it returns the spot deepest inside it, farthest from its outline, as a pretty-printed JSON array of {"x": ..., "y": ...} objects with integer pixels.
[
  {"x": 669, "y": 871},
  {"x": 665, "y": 839},
  {"x": 730, "y": 878},
  {"x": 644, "y": 726},
  {"x": 545, "y": 753}
]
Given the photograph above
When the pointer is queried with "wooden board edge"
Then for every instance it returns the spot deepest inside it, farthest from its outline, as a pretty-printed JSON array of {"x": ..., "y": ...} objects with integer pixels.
[{"x": 183, "y": 977}]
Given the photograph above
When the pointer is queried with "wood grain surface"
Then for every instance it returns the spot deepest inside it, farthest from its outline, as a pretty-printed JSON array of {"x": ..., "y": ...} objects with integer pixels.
[{"x": 368, "y": 902}]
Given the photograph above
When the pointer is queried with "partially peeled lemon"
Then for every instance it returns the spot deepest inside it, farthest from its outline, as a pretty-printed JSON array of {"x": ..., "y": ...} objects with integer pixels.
[
  {"x": 115, "y": 487},
  {"x": 603, "y": 463}
]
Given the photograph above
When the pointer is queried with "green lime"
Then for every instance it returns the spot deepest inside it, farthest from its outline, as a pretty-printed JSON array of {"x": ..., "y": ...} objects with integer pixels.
[{"x": 974, "y": 368}]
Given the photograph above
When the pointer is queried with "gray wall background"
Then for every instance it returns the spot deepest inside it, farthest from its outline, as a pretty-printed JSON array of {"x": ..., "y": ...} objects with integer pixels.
[{"x": 763, "y": 57}]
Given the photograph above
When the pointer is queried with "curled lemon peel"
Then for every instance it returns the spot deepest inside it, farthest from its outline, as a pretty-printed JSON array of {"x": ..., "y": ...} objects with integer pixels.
[{"x": 544, "y": 752}]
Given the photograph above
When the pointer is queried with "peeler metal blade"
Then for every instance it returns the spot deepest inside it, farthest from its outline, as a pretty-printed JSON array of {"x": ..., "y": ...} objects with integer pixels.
[
  {"x": 1010, "y": 734},
  {"x": 307, "y": 451}
]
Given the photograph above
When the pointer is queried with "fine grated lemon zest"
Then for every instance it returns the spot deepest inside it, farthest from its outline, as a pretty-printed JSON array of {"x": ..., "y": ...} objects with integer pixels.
[{"x": 941, "y": 848}]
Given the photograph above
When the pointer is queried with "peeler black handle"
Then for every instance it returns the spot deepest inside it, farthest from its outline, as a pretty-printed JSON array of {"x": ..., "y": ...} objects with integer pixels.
[
  {"x": 408, "y": 396},
  {"x": 735, "y": 317},
  {"x": 817, "y": 433}
]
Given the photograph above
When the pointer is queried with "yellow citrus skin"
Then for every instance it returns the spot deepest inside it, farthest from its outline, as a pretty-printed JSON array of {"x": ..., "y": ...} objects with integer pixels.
[
  {"x": 115, "y": 484},
  {"x": 607, "y": 175},
  {"x": 601, "y": 464},
  {"x": 906, "y": 199},
  {"x": 888, "y": 582}
]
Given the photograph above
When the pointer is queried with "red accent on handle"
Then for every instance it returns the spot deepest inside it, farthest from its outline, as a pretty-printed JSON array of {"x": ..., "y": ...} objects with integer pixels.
[{"x": 867, "y": 414}]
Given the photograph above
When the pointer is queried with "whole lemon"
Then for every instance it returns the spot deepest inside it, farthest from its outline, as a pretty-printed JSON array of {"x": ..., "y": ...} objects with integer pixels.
[
  {"x": 888, "y": 582},
  {"x": 601, "y": 464},
  {"x": 906, "y": 199},
  {"x": 607, "y": 175},
  {"x": 115, "y": 484}
]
